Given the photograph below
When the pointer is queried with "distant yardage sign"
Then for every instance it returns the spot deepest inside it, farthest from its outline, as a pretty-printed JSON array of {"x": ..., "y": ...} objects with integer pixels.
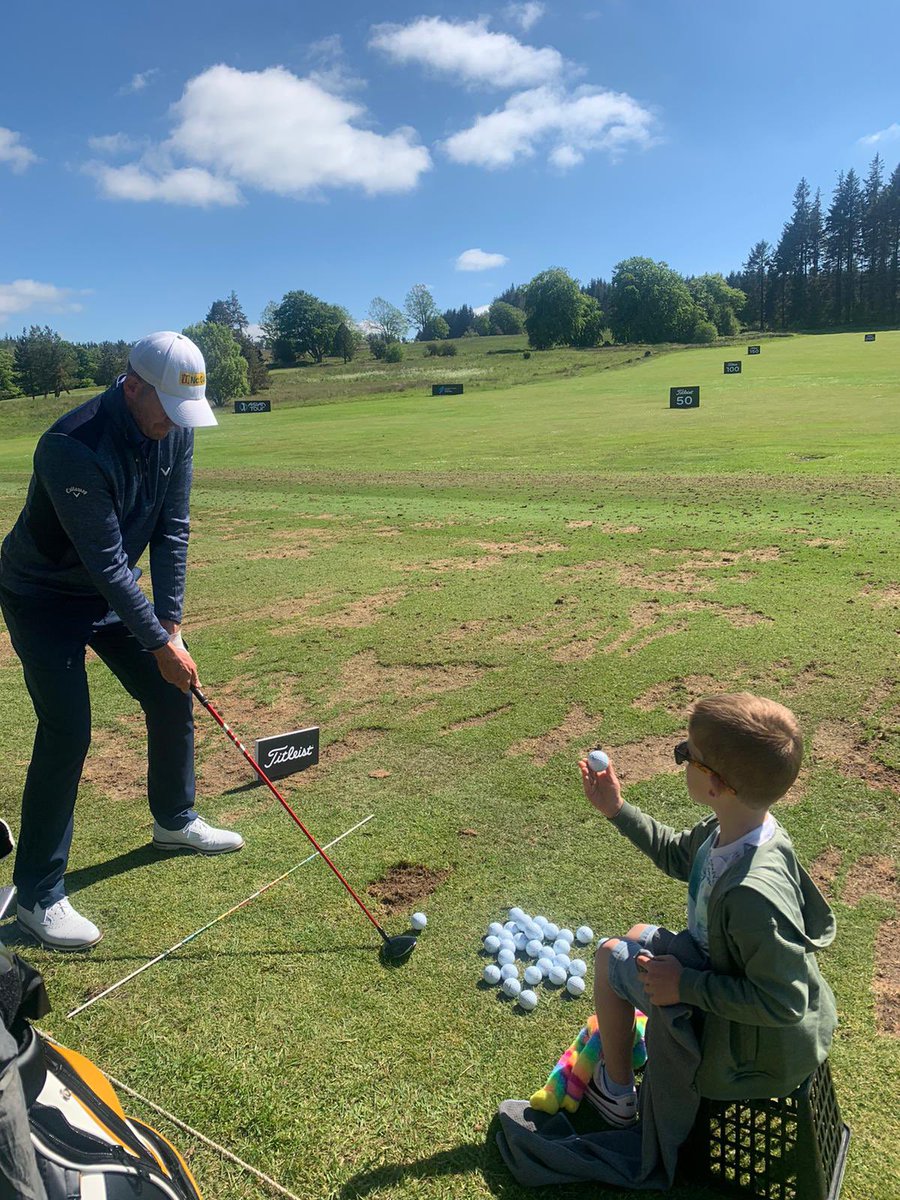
[
  {"x": 446, "y": 389},
  {"x": 870, "y": 337},
  {"x": 245, "y": 406},
  {"x": 733, "y": 367},
  {"x": 684, "y": 397},
  {"x": 753, "y": 349},
  {"x": 286, "y": 753}
]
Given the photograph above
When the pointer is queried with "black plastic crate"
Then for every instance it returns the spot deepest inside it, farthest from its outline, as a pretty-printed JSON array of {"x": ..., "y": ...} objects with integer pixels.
[{"x": 794, "y": 1148}]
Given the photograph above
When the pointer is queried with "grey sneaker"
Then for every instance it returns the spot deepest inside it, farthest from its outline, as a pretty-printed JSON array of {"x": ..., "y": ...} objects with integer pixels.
[
  {"x": 58, "y": 927},
  {"x": 620, "y": 1111},
  {"x": 198, "y": 836}
]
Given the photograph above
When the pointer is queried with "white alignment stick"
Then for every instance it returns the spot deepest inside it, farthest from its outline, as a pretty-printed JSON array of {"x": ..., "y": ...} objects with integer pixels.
[{"x": 209, "y": 925}]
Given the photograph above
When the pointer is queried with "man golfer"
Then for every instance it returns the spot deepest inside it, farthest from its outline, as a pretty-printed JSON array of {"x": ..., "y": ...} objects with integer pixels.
[{"x": 111, "y": 478}]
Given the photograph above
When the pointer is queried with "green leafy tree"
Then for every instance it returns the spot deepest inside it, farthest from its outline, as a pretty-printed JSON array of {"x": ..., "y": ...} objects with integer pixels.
[
  {"x": 301, "y": 324},
  {"x": 649, "y": 302},
  {"x": 719, "y": 304},
  {"x": 552, "y": 309},
  {"x": 8, "y": 386},
  {"x": 257, "y": 371},
  {"x": 345, "y": 342},
  {"x": 226, "y": 367},
  {"x": 421, "y": 311},
  {"x": 44, "y": 363},
  {"x": 756, "y": 270},
  {"x": 229, "y": 313},
  {"x": 505, "y": 318},
  {"x": 482, "y": 324},
  {"x": 389, "y": 322},
  {"x": 589, "y": 327},
  {"x": 459, "y": 320},
  {"x": 112, "y": 359},
  {"x": 436, "y": 329}
]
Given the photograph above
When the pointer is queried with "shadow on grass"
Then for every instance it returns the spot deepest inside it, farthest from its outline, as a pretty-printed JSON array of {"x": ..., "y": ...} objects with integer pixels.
[
  {"x": 83, "y": 877},
  {"x": 467, "y": 1159}
]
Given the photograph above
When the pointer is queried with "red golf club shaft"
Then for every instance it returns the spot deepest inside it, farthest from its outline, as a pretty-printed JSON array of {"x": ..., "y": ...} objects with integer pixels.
[{"x": 281, "y": 800}]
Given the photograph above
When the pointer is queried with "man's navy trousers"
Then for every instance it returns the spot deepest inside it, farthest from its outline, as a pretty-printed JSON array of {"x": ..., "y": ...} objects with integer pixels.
[{"x": 50, "y": 638}]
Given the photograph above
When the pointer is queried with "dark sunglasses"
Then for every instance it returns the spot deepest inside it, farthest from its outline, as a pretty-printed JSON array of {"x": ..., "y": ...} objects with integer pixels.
[{"x": 683, "y": 754}]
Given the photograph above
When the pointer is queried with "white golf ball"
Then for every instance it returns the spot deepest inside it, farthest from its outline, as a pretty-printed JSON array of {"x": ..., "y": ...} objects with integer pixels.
[
  {"x": 551, "y": 931},
  {"x": 598, "y": 761},
  {"x": 515, "y": 914},
  {"x": 505, "y": 956},
  {"x": 533, "y": 974},
  {"x": 566, "y": 935},
  {"x": 528, "y": 1000},
  {"x": 533, "y": 930},
  {"x": 542, "y": 921},
  {"x": 533, "y": 948},
  {"x": 561, "y": 946},
  {"x": 491, "y": 973},
  {"x": 544, "y": 964},
  {"x": 521, "y": 941},
  {"x": 508, "y": 944},
  {"x": 557, "y": 974},
  {"x": 578, "y": 967},
  {"x": 584, "y": 934},
  {"x": 491, "y": 944},
  {"x": 511, "y": 986},
  {"x": 509, "y": 926},
  {"x": 418, "y": 921},
  {"x": 575, "y": 986},
  {"x": 495, "y": 928},
  {"x": 509, "y": 971},
  {"x": 562, "y": 960}
]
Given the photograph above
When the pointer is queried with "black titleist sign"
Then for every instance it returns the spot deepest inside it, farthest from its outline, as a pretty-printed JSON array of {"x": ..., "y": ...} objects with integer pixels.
[
  {"x": 733, "y": 368},
  {"x": 869, "y": 337},
  {"x": 287, "y": 753},
  {"x": 753, "y": 349},
  {"x": 684, "y": 397},
  {"x": 446, "y": 389},
  {"x": 244, "y": 406}
]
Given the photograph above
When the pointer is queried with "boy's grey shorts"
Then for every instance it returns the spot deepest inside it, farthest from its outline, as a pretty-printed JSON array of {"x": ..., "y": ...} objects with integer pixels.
[{"x": 624, "y": 977}]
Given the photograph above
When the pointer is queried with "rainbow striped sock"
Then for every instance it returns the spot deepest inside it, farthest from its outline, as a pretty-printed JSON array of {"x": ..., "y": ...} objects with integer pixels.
[{"x": 568, "y": 1080}]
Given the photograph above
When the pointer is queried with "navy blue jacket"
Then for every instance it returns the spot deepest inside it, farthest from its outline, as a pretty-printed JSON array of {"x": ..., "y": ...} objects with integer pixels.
[{"x": 102, "y": 493}]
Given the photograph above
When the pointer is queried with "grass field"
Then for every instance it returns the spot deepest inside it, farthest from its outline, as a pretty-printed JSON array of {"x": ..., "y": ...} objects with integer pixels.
[{"x": 465, "y": 593}]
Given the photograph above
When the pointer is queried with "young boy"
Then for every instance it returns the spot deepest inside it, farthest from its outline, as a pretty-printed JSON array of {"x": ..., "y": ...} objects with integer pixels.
[{"x": 755, "y": 919}]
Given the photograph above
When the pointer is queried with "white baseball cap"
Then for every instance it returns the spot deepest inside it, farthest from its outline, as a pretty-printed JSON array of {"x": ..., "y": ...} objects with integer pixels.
[{"x": 174, "y": 365}]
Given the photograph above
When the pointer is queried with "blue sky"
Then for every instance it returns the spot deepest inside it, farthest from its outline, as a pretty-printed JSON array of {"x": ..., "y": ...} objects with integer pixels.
[{"x": 155, "y": 156}]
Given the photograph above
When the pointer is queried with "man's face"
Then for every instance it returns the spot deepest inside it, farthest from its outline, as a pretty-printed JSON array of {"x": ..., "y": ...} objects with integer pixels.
[{"x": 144, "y": 405}]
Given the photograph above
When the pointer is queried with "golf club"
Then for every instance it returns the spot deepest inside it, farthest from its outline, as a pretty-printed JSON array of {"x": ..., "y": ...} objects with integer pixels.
[{"x": 393, "y": 948}]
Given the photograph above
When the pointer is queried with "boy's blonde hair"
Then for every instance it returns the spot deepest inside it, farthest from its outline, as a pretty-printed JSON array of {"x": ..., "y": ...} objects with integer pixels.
[{"x": 753, "y": 743}]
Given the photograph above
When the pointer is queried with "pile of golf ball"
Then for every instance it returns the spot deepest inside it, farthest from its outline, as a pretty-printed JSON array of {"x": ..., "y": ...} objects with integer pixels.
[{"x": 546, "y": 955}]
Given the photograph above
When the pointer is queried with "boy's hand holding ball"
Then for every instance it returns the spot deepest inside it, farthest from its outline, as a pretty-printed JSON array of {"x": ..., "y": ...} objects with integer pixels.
[{"x": 598, "y": 778}]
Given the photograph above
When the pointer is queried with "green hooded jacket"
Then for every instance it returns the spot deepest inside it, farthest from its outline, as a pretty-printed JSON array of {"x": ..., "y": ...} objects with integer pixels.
[{"x": 768, "y": 1015}]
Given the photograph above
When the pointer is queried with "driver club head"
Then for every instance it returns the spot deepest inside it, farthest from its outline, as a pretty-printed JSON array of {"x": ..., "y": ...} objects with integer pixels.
[{"x": 396, "y": 948}]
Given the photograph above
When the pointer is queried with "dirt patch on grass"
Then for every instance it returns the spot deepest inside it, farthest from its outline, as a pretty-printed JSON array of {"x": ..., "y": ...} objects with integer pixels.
[
  {"x": 676, "y": 695},
  {"x": 880, "y": 693},
  {"x": 363, "y": 678},
  {"x": 609, "y": 527},
  {"x": 682, "y": 580},
  {"x": 886, "y": 597},
  {"x": 871, "y": 875},
  {"x": 7, "y": 654},
  {"x": 576, "y": 725},
  {"x": 405, "y": 885},
  {"x": 507, "y": 548},
  {"x": 886, "y": 978},
  {"x": 636, "y": 761},
  {"x": 472, "y": 722},
  {"x": 668, "y": 631},
  {"x": 225, "y": 772},
  {"x": 117, "y": 762},
  {"x": 443, "y": 565},
  {"x": 360, "y": 613},
  {"x": 824, "y": 870},
  {"x": 468, "y": 629},
  {"x": 579, "y": 524},
  {"x": 579, "y": 649},
  {"x": 840, "y": 743},
  {"x": 280, "y": 610},
  {"x": 819, "y": 543}
]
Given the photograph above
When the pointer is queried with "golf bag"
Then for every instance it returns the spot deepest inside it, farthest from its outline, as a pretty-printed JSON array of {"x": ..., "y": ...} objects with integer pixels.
[{"x": 85, "y": 1147}]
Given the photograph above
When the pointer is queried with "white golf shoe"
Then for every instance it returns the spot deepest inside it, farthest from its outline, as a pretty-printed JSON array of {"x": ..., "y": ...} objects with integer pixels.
[
  {"x": 59, "y": 927},
  {"x": 198, "y": 836}
]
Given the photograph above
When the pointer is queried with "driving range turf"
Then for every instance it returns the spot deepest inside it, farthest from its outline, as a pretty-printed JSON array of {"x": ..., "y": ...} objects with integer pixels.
[{"x": 465, "y": 593}]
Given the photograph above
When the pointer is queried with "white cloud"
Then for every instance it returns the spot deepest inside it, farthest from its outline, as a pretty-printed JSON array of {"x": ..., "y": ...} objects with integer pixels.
[
  {"x": 469, "y": 51},
  {"x": 185, "y": 185},
  {"x": 891, "y": 134},
  {"x": 269, "y": 130},
  {"x": 331, "y": 70},
  {"x": 525, "y": 15},
  {"x": 112, "y": 143},
  {"x": 23, "y": 294},
  {"x": 138, "y": 82},
  {"x": 481, "y": 310},
  {"x": 570, "y": 123},
  {"x": 479, "y": 260},
  {"x": 14, "y": 152}
]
